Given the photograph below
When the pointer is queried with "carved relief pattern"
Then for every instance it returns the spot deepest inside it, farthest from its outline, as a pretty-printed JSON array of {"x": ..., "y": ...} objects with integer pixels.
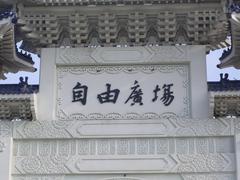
[
  {"x": 162, "y": 146},
  {"x": 129, "y": 69},
  {"x": 24, "y": 149},
  {"x": 123, "y": 147},
  {"x": 168, "y": 126},
  {"x": 185, "y": 177},
  {"x": 42, "y": 129},
  {"x": 202, "y": 146},
  {"x": 174, "y": 163},
  {"x": 83, "y": 147},
  {"x": 2, "y": 146},
  {"x": 31, "y": 164},
  {"x": 41, "y": 165},
  {"x": 74, "y": 56},
  {"x": 123, "y": 178},
  {"x": 204, "y": 163},
  {"x": 149, "y": 54},
  {"x": 214, "y": 126},
  {"x": 142, "y": 146},
  {"x": 183, "y": 146},
  {"x": 208, "y": 177},
  {"x": 44, "y": 148},
  {"x": 5, "y": 128},
  {"x": 103, "y": 147},
  {"x": 237, "y": 126},
  {"x": 172, "y": 53},
  {"x": 42, "y": 177},
  {"x": 59, "y": 159},
  {"x": 97, "y": 116}
]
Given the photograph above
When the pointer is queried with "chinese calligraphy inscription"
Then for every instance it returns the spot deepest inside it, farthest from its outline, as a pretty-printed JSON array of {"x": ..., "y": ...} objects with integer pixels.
[
  {"x": 136, "y": 95},
  {"x": 167, "y": 97},
  {"x": 123, "y": 90},
  {"x": 80, "y": 93},
  {"x": 108, "y": 96},
  {"x": 111, "y": 96}
]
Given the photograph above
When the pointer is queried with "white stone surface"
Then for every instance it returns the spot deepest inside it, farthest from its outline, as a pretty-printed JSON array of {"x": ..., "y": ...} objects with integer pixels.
[
  {"x": 132, "y": 155},
  {"x": 53, "y": 147},
  {"x": 5, "y": 157},
  {"x": 47, "y": 84},
  {"x": 131, "y": 177},
  {"x": 237, "y": 151},
  {"x": 167, "y": 127},
  {"x": 68, "y": 59},
  {"x": 201, "y": 149},
  {"x": 150, "y": 146}
]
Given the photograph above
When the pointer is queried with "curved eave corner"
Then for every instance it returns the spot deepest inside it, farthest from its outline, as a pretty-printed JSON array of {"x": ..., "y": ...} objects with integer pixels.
[
  {"x": 231, "y": 57},
  {"x": 10, "y": 59}
]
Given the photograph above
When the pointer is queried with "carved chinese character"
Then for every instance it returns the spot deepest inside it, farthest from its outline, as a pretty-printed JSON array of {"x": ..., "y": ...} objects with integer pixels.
[
  {"x": 167, "y": 97},
  {"x": 136, "y": 95},
  {"x": 155, "y": 91},
  {"x": 80, "y": 93},
  {"x": 110, "y": 96}
]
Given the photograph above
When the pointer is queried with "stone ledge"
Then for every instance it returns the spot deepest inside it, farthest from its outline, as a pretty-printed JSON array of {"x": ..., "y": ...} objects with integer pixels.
[{"x": 166, "y": 127}]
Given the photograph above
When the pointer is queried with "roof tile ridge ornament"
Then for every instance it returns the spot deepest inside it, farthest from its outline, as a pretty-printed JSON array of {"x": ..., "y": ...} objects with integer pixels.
[
  {"x": 20, "y": 89},
  {"x": 224, "y": 80},
  {"x": 224, "y": 85},
  {"x": 24, "y": 86}
]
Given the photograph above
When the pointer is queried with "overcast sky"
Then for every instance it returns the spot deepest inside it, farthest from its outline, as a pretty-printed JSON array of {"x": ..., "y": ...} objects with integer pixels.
[{"x": 212, "y": 71}]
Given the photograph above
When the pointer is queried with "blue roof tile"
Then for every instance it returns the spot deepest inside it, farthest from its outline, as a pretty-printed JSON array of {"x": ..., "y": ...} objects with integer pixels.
[
  {"x": 21, "y": 88},
  {"x": 224, "y": 86},
  {"x": 18, "y": 89}
]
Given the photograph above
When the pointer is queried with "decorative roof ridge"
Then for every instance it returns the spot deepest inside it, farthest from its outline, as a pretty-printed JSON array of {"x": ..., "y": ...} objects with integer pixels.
[
  {"x": 21, "y": 88},
  {"x": 224, "y": 84},
  {"x": 111, "y": 2}
]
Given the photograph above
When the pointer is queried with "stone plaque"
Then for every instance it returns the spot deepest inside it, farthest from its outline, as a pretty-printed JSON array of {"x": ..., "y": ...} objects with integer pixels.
[
  {"x": 123, "y": 92},
  {"x": 123, "y": 83}
]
